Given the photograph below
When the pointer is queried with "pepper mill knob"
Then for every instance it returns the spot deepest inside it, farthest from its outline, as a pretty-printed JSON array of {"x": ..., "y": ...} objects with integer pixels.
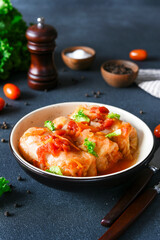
[
  {"x": 40, "y": 22},
  {"x": 42, "y": 73}
]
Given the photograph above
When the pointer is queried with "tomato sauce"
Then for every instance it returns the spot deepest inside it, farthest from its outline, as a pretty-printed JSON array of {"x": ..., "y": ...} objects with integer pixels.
[
  {"x": 60, "y": 132},
  {"x": 72, "y": 126},
  {"x": 102, "y": 110},
  {"x": 54, "y": 147},
  {"x": 121, "y": 165},
  {"x": 98, "y": 113},
  {"x": 108, "y": 123}
]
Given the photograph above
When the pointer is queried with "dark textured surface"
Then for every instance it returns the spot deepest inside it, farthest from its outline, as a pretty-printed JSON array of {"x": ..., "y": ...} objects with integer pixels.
[{"x": 113, "y": 28}]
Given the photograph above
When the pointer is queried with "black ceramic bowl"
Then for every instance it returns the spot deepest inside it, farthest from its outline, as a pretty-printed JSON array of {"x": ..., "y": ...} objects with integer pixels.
[{"x": 37, "y": 119}]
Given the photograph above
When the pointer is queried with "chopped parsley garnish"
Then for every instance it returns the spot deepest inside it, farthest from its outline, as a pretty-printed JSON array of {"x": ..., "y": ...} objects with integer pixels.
[
  {"x": 49, "y": 125},
  {"x": 114, "y": 134},
  {"x": 113, "y": 115},
  {"x": 90, "y": 147},
  {"x": 4, "y": 187},
  {"x": 55, "y": 170},
  {"x": 81, "y": 117}
]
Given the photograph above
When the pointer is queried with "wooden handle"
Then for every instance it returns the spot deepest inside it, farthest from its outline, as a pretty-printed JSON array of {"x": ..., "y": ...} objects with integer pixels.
[
  {"x": 129, "y": 196},
  {"x": 130, "y": 215}
]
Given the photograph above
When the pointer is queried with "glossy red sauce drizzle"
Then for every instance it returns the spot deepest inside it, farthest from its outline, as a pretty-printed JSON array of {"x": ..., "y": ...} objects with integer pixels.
[
  {"x": 72, "y": 126},
  {"x": 108, "y": 123},
  {"x": 54, "y": 147}
]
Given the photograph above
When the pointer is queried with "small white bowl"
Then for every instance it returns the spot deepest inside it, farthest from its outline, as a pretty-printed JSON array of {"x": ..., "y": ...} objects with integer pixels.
[{"x": 39, "y": 116}]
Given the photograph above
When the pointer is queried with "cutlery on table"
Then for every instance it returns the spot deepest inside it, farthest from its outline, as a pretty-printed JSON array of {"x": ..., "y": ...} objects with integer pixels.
[
  {"x": 131, "y": 213},
  {"x": 132, "y": 192}
]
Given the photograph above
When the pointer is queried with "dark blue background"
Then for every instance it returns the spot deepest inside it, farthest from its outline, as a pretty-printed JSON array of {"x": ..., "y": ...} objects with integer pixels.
[{"x": 112, "y": 28}]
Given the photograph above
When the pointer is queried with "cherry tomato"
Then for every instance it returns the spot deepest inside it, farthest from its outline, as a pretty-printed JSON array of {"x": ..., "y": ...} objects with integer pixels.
[
  {"x": 2, "y": 103},
  {"x": 157, "y": 131},
  {"x": 138, "y": 54},
  {"x": 11, "y": 91}
]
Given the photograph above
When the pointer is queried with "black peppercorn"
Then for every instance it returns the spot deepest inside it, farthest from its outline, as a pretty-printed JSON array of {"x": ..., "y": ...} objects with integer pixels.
[
  {"x": 16, "y": 205},
  {"x": 7, "y": 214},
  {"x": 117, "y": 69},
  {"x": 26, "y": 103},
  {"x": 141, "y": 112},
  {"x": 64, "y": 70},
  {"x": 19, "y": 178}
]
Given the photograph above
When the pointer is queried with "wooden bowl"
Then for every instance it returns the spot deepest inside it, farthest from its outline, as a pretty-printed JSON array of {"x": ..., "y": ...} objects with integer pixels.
[
  {"x": 78, "y": 64},
  {"x": 118, "y": 80}
]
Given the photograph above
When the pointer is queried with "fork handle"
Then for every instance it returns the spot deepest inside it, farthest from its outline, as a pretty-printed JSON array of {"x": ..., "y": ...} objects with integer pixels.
[
  {"x": 130, "y": 215},
  {"x": 128, "y": 197}
]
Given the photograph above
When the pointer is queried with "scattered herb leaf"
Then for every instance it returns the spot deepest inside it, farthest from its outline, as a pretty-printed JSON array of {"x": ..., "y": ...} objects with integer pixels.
[
  {"x": 90, "y": 147},
  {"x": 55, "y": 170},
  {"x": 4, "y": 187},
  {"x": 113, "y": 115},
  {"x": 49, "y": 125},
  {"x": 81, "y": 117},
  {"x": 114, "y": 134}
]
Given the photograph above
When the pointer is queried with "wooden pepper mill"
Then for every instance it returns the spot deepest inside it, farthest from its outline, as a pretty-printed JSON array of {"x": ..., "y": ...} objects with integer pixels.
[{"x": 42, "y": 73}]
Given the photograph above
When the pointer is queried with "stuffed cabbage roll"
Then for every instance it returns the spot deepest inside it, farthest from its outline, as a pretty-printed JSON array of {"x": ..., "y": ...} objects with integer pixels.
[
  {"x": 99, "y": 119},
  {"x": 107, "y": 151},
  {"x": 45, "y": 149}
]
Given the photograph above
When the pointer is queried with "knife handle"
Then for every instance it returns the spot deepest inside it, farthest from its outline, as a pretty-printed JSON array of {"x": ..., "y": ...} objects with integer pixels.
[
  {"x": 130, "y": 215},
  {"x": 131, "y": 193}
]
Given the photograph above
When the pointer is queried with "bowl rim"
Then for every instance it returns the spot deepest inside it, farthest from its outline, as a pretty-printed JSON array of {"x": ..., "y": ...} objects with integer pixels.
[
  {"x": 39, "y": 171},
  {"x": 66, "y": 50},
  {"x": 119, "y": 75}
]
